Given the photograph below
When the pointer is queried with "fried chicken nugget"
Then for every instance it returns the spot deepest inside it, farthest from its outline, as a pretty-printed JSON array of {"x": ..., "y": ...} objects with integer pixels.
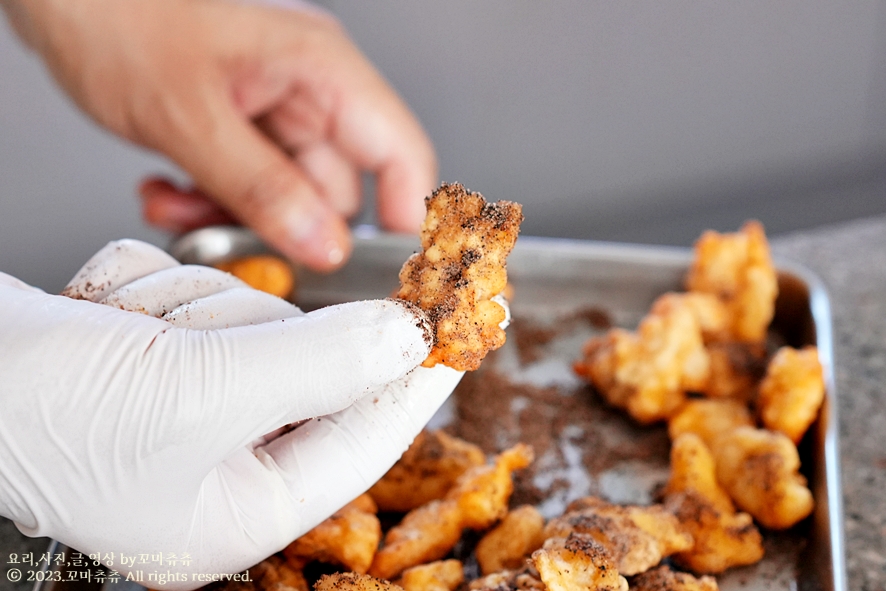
[
  {"x": 663, "y": 578},
  {"x": 440, "y": 575},
  {"x": 353, "y": 582},
  {"x": 425, "y": 472},
  {"x": 692, "y": 468},
  {"x": 722, "y": 538},
  {"x": 738, "y": 269},
  {"x": 710, "y": 312},
  {"x": 276, "y": 574},
  {"x": 577, "y": 562},
  {"x": 792, "y": 391},
  {"x": 525, "y": 578},
  {"x": 648, "y": 372},
  {"x": 736, "y": 370},
  {"x": 465, "y": 242},
  {"x": 478, "y": 499},
  {"x": 760, "y": 471},
  {"x": 349, "y": 537},
  {"x": 709, "y": 419},
  {"x": 508, "y": 544},
  {"x": 263, "y": 272},
  {"x": 637, "y": 538}
]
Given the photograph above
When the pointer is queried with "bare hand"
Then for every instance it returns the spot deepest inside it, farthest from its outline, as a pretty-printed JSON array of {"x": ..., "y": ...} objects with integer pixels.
[{"x": 274, "y": 113}]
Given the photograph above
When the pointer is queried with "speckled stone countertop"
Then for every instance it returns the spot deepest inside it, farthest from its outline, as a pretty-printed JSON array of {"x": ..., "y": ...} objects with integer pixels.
[{"x": 851, "y": 259}]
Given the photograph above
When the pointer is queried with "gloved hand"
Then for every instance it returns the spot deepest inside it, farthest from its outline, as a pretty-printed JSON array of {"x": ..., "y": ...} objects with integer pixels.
[{"x": 137, "y": 418}]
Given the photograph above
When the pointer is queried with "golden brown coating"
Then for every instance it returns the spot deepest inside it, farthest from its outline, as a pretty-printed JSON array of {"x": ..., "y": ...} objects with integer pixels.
[
  {"x": 710, "y": 312},
  {"x": 710, "y": 419},
  {"x": 577, "y": 562},
  {"x": 425, "y": 472},
  {"x": 760, "y": 471},
  {"x": 663, "y": 578},
  {"x": 692, "y": 468},
  {"x": 263, "y": 272},
  {"x": 637, "y": 538},
  {"x": 465, "y": 242},
  {"x": 353, "y": 582},
  {"x": 738, "y": 269},
  {"x": 482, "y": 492},
  {"x": 792, "y": 391},
  {"x": 648, "y": 372},
  {"x": 525, "y": 578},
  {"x": 721, "y": 537},
  {"x": 276, "y": 574},
  {"x": 349, "y": 537},
  {"x": 440, "y": 575},
  {"x": 736, "y": 370},
  {"x": 478, "y": 499},
  {"x": 507, "y": 545}
]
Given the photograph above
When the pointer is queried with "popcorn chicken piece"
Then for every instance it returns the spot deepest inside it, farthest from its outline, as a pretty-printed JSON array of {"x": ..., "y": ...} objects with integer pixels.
[
  {"x": 524, "y": 579},
  {"x": 440, "y": 575},
  {"x": 482, "y": 492},
  {"x": 506, "y": 546},
  {"x": 478, "y": 499},
  {"x": 648, "y": 372},
  {"x": 710, "y": 419},
  {"x": 426, "y": 471},
  {"x": 577, "y": 562},
  {"x": 349, "y": 537},
  {"x": 709, "y": 311},
  {"x": 760, "y": 471},
  {"x": 263, "y": 272},
  {"x": 353, "y": 582},
  {"x": 721, "y": 537},
  {"x": 465, "y": 242},
  {"x": 276, "y": 574},
  {"x": 738, "y": 269},
  {"x": 692, "y": 468},
  {"x": 637, "y": 538},
  {"x": 792, "y": 391},
  {"x": 663, "y": 578},
  {"x": 736, "y": 370}
]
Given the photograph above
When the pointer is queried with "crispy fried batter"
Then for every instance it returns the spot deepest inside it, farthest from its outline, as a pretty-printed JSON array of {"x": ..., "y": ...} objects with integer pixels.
[
  {"x": 738, "y": 269},
  {"x": 263, "y": 272},
  {"x": 636, "y": 537},
  {"x": 478, "y": 499},
  {"x": 648, "y": 372},
  {"x": 760, "y": 471},
  {"x": 349, "y": 537},
  {"x": 275, "y": 574},
  {"x": 792, "y": 391},
  {"x": 663, "y": 578},
  {"x": 722, "y": 538},
  {"x": 440, "y": 575},
  {"x": 511, "y": 541},
  {"x": 523, "y": 579},
  {"x": 710, "y": 312},
  {"x": 353, "y": 582},
  {"x": 692, "y": 468},
  {"x": 465, "y": 242},
  {"x": 709, "y": 419},
  {"x": 577, "y": 562},
  {"x": 426, "y": 471},
  {"x": 736, "y": 369}
]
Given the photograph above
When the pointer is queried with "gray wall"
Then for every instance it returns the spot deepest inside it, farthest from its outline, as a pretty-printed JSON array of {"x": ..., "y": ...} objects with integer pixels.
[{"x": 624, "y": 121}]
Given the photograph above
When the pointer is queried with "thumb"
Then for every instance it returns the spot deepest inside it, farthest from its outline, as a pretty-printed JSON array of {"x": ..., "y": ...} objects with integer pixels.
[
  {"x": 288, "y": 370},
  {"x": 261, "y": 186}
]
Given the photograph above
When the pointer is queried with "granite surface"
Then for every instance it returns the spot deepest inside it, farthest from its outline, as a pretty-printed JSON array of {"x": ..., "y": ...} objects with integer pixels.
[{"x": 851, "y": 260}]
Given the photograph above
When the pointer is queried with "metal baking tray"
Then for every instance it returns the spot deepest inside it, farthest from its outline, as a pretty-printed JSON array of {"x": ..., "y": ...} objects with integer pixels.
[{"x": 555, "y": 278}]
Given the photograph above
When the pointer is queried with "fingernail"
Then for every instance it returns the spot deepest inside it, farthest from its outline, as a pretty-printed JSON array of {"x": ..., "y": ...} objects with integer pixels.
[{"x": 321, "y": 241}]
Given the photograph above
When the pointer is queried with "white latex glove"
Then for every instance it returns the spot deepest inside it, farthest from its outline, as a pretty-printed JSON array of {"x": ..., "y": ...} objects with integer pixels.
[{"x": 132, "y": 433}]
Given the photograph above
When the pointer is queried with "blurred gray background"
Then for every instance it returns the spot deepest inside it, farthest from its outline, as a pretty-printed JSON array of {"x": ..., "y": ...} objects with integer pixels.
[{"x": 642, "y": 122}]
